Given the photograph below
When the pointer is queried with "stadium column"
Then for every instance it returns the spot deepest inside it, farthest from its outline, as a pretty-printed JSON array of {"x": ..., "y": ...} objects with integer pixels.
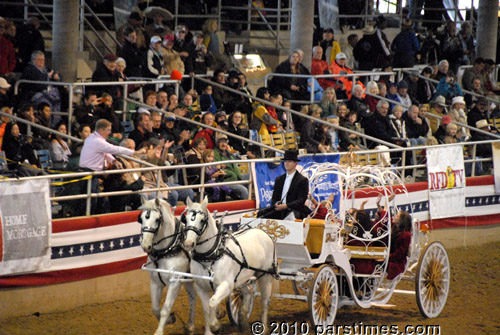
[
  {"x": 301, "y": 36},
  {"x": 487, "y": 25},
  {"x": 65, "y": 38}
]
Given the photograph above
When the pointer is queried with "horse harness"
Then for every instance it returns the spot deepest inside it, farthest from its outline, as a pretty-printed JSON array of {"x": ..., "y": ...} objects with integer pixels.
[
  {"x": 219, "y": 248},
  {"x": 172, "y": 249}
]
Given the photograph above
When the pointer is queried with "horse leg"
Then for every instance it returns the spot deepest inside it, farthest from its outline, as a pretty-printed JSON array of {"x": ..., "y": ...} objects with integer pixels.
[
  {"x": 204, "y": 297},
  {"x": 156, "y": 292},
  {"x": 172, "y": 293},
  {"x": 221, "y": 292},
  {"x": 266, "y": 288},
  {"x": 246, "y": 295},
  {"x": 189, "y": 286}
]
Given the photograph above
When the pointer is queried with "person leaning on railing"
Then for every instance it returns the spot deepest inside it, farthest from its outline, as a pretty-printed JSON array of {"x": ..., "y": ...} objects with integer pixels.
[{"x": 97, "y": 153}]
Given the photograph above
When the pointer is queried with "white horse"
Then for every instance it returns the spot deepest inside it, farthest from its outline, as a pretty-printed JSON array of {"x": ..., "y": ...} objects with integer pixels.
[
  {"x": 162, "y": 241},
  {"x": 234, "y": 260}
]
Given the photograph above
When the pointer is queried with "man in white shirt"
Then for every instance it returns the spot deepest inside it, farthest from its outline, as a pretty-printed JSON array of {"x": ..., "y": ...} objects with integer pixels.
[
  {"x": 290, "y": 191},
  {"x": 97, "y": 153}
]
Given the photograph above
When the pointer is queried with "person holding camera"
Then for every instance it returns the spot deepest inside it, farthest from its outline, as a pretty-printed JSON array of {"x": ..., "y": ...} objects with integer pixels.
[{"x": 448, "y": 87}]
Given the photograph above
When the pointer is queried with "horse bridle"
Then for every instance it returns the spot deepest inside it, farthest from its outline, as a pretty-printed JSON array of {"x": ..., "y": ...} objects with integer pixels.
[
  {"x": 204, "y": 221},
  {"x": 150, "y": 229}
]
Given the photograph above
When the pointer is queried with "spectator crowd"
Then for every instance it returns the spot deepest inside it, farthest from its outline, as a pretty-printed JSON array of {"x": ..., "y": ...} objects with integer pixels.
[{"x": 400, "y": 112}]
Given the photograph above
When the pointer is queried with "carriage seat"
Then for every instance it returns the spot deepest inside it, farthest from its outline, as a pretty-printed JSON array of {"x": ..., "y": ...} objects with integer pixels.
[
  {"x": 314, "y": 240},
  {"x": 364, "y": 258}
]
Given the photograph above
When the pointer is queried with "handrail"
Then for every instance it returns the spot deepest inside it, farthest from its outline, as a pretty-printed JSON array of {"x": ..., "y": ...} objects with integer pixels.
[
  {"x": 289, "y": 110},
  {"x": 206, "y": 126},
  {"x": 94, "y": 15},
  {"x": 99, "y": 37},
  {"x": 463, "y": 90},
  {"x": 69, "y": 137},
  {"x": 201, "y": 186},
  {"x": 315, "y": 76},
  {"x": 98, "y": 83}
]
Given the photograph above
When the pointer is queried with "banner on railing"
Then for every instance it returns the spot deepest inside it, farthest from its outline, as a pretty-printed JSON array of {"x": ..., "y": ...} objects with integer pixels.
[
  {"x": 446, "y": 180},
  {"x": 25, "y": 228},
  {"x": 496, "y": 165},
  {"x": 264, "y": 175}
]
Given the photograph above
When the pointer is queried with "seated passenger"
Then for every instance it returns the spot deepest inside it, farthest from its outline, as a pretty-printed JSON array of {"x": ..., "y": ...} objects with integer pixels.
[{"x": 400, "y": 244}]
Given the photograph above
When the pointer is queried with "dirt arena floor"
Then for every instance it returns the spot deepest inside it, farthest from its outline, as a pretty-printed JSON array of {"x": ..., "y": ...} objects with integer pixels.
[{"x": 473, "y": 306}]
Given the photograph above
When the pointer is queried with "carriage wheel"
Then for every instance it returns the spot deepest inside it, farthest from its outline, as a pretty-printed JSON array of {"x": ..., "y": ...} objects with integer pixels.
[
  {"x": 323, "y": 296},
  {"x": 233, "y": 304},
  {"x": 432, "y": 281}
]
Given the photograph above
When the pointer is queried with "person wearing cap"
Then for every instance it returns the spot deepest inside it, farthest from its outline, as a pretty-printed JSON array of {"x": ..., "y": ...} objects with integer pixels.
[
  {"x": 181, "y": 41},
  {"x": 448, "y": 87},
  {"x": 479, "y": 112},
  {"x": 131, "y": 53},
  {"x": 352, "y": 40},
  {"x": 440, "y": 133},
  {"x": 106, "y": 71},
  {"x": 154, "y": 59},
  {"x": 482, "y": 150},
  {"x": 339, "y": 67},
  {"x": 4, "y": 97},
  {"x": 199, "y": 59},
  {"x": 290, "y": 192},
  {"x": 222, "y": 152},
  {"x": 458, "y": 114},
  {"x": 405, "y": 46},
  {"x": 330, "y": 46},
  {"x": 437, "y": 107},
  {"x": 135, "y": 21},
  {"x": 403, "y": 95}
]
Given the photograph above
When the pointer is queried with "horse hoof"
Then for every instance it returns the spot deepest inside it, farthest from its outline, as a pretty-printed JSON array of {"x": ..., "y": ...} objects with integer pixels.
[
  {"x": 171, "y": 319},
  {"x": 215, "y": 328},
  {"x": 220, "y": 312}
]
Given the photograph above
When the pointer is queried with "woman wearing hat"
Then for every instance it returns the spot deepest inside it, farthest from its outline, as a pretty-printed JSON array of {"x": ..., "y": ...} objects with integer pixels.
[{"x": 458, "y": 114}]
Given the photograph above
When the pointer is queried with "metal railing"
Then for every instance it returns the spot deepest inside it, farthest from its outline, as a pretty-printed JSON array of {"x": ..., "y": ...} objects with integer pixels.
[
  {"x": 72, "y": 86},
  {"x": 354, "y": 77},
  {"x": 202, "y": 185}
]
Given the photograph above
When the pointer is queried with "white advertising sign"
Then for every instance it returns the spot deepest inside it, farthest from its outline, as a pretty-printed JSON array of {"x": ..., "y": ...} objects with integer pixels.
[
  {"x": 25, "y": 228},
  {"x": 446, "y": 178}
]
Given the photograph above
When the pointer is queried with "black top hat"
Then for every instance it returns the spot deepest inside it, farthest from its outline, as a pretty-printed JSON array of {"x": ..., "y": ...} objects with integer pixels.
[{"x": 291, "y": 155}]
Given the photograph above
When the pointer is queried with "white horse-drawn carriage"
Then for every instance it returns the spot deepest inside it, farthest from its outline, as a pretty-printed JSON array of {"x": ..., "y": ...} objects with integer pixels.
[{"x": 332, "y": 262}]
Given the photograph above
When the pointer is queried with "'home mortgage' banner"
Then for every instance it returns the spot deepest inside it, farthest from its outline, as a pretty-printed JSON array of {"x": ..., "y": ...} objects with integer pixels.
[
  {"x": 25, "y": 227},
  {"x": 446, "y": 178}
]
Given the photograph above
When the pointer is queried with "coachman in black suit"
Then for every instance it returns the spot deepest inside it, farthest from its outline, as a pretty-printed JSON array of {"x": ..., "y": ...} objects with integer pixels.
[{"x": 293, "y": 200}]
